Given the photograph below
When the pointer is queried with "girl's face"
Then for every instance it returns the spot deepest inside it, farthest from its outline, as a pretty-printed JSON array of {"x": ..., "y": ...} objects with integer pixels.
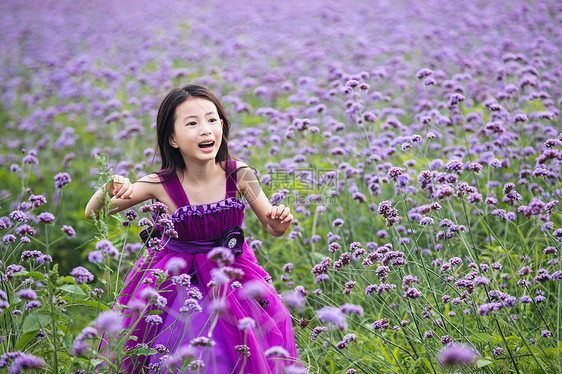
[{"x": 197, "y": 130}]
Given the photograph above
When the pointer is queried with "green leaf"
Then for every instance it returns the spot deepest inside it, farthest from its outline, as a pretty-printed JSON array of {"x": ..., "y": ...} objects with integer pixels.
[
  {"x": 67, "y": 279},
  {"x": 24, "y": 339},
  {"x": 414, "y": 366},
  {"x": 484, "y": 338},
  {"x": 35, "y": 321},
  {"x": 33, "y": 274},
  {"x": 142, "y": 352},
  {"x": 96, "y": 361},
  {"x": 91, "y": 303},
  {"x": 481, "y": 362},
  {"x": 72, "y": 288}
]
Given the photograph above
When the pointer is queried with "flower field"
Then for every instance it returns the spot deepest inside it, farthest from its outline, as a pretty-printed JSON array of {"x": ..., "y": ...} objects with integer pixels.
[{"x": 418, "y": 144}]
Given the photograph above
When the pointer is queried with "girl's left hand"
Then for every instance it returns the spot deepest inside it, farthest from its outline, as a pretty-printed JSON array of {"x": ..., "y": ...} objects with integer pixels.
[{"x": 281, "y": 213}]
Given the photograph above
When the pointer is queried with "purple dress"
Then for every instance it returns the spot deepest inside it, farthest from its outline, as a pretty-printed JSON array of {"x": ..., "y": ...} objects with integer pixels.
[{"x": 256, "y": 298}]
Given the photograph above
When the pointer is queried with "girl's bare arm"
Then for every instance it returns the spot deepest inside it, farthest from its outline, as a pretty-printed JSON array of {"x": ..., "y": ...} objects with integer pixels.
[
  {"x": 123, "y": 194},
  {"x": 275, "y": 219}
]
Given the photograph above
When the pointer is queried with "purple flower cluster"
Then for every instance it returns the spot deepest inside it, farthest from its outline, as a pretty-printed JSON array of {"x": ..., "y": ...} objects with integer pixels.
[{"x": 81, "y": 275}]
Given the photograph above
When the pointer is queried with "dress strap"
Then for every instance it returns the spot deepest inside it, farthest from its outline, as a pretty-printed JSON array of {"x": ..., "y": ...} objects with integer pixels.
[
  {"x": 175, "y": 190},
  {"x": 231, "y": 180}
]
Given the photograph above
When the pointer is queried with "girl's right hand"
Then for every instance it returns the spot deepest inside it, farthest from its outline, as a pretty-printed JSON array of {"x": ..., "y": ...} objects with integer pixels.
[{"x": 120, "y": 187}]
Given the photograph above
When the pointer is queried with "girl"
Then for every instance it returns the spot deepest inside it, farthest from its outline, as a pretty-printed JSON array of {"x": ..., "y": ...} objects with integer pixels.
[{"x": 217, "y": 307}]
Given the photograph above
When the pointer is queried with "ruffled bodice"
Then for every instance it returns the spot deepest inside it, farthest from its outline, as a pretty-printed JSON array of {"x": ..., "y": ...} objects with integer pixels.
[{"x": 205, "y": 221}]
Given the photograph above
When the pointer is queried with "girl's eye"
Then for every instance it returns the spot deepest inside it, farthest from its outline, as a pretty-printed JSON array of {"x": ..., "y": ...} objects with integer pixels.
[
  {"x": 191, "y": 124},
  {"x": 212, "y": 120}
]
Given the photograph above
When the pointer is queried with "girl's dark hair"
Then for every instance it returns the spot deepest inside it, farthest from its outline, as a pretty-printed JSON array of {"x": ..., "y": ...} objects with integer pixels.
[{"x": 172, "y": 161}]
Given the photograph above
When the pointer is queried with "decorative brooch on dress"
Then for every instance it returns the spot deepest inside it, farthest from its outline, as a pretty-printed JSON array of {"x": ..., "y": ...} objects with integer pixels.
[{"x": 233, "y": 239}]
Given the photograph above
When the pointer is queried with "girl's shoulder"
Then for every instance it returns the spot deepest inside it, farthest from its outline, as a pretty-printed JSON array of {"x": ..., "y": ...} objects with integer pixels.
[
  {"x": 241, "y": 168},
  {"x": 153, "y": 183},
  {"x": 245, "y": 174},
  {"x": 152, "y": 178}
]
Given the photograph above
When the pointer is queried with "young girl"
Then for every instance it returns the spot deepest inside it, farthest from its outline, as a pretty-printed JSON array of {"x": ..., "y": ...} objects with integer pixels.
[{"x": 218, "y": 305}]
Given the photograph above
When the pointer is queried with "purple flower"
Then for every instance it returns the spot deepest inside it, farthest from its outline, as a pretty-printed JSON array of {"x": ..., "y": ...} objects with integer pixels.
[
  {"x": 497, "y": 351},
  {"x": 153, "y": 319},
  {"x": 62, "y": 179},
  {"x": 37, "y": 200},
  {"x": 26, "y": 361},
  {"x": 172, "y": 362},
  {"x": 380, "y": 325},
  {"x": 69, "y": 231},
  {"x": 46, "y": 217},
  {"x": 202, "y": 341},
  {"x": 191, "y": 305},
  {"x": 332, "y": 315},
  {"x": 95, "y": 257},
  {"x": 89, "y": 332},
  {"x": 175, "y": 264},
  {"x": 254, "y": 244},
  {"x": 32, "y": 304},
  {"x": 106, "y": 246},
  {"x": 186, "y": 352},
  {"x": 18, "y": 215},
  {"x": 486, "y": 309},
  {"x": 254, "y": 289},
  {"x": 352, "y": 309},
  {"x": 183, "y": 280},
  {"x": 246, "y": 323},
  {"x": 337, "y": 222},
  {"x": 423, "y": 73},
  {"x": 25, "y": 230},
  {"x": 549, "y": 250},
  {"x": 80, "y": 347},
  {"x": 334, "y": 247},
  {"x": 12, "y": 269},
  {"x": 109, "y": 322},
  {"x": 346, "y": 340},
  {"x": 545, "y": 333},
  {"x": 136, "y": 306},
  {"x": 408, "y": 279},
  {"x": 411, "y": 293},
  {"x": 150, "y": 294},
  {"x": 221, "y": 255},
  {"x": 244, "y": 349},
  {"x": 542, "y": 276},
  {"x": 30, "y": 160},
  {"x": 394, "y": 172},
  {"x": 27, "y": 294},
  {"x": 457, "y": 354},
  {"x": 455, "y": 99},
  {"x": 481, "y": 281},
  {"x": 81, "y": 275},
  {"x": 426, "y": 221},
  {"x": 276, "y": 351},
  {"x": 9, "y": 238},
  {"x": 294, "y": 300}
]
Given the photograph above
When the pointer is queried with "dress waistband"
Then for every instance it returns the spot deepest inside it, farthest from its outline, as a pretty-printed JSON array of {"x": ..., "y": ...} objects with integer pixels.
[{"x": 232, "y": 239}]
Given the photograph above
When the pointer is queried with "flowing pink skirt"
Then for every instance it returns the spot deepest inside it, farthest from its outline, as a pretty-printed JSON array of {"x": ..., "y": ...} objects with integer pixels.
[{"x": 223, "y": 308}]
